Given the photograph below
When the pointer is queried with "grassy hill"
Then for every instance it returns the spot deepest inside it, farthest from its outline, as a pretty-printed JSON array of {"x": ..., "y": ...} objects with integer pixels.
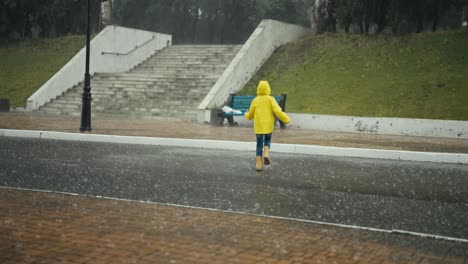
[
  {"x": 26, "y": 66},
  {"x": 414, "y": 76}
]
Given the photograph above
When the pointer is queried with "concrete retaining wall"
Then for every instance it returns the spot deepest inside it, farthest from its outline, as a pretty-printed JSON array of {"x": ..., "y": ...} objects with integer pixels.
[
  {"x": 112, "y": 39},
  {"x": 268, "y": 36},
  {"x": 377, "y": 125}
]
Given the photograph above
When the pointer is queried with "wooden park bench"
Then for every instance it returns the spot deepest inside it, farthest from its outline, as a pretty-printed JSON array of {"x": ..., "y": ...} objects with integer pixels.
[{"x": 242, "y": 103}]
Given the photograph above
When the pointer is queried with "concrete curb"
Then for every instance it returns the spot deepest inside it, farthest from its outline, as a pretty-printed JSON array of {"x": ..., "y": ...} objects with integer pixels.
[{"x": 454, "y": 158}]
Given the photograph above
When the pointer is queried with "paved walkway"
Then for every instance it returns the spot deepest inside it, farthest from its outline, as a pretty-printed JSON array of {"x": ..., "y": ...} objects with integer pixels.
[
  {"x": 56, "y": 228},
  {"x": 179, "y": 129},
  {"x": 50, "y": 228}
]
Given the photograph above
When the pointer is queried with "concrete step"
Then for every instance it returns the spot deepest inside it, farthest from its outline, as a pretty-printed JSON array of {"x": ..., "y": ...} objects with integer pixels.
[
  {"x": 171, "y": 101},
  {"x": 149, "y": 81},
  {"x": 149, "y": 92},
  {"x": 149, "y": 110},
  {"x": 183, "y": 115},
  {"x": 116, "y": 105},
  {"x": 146, "y": 109},
  {"x": 168, "y": 60},
  {"x": 190, "y": 57},
  {"x": 161, "y": 86},
  {"x": 175, "y": 70},
  {"x": 168, "y": 71},
  {"x": 154, "y": 92},
  {"x": 184, "y": 86},
  {"x": 138, "y": 97},
  {"x": 132, "y": 75},
  {"x": 99, "y": 92},
  {"x": 185, "y": 63},
  {"x": 205, "y": 48},
  {"x": 154, "y": 76},
  {"x": 171, "y": 83}
]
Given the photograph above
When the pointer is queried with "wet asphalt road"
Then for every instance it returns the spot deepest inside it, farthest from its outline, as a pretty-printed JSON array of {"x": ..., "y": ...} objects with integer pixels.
[{"x": 420, "y": 197}]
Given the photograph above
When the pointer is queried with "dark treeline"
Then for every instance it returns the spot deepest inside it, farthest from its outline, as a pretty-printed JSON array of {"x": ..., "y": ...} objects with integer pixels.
[
  {"x": 229, "y": 21},
  {"x": 207, "y": 21},
  {"x": 23, "y": 19},
  {"x": 226, "y": 21},
  {"x": 395, "y": 16}
]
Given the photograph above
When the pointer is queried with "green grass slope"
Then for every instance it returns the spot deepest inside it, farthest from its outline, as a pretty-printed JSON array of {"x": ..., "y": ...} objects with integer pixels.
[
  {"x": 26, "y": 66},
  {"x": 414, "y": 76}
]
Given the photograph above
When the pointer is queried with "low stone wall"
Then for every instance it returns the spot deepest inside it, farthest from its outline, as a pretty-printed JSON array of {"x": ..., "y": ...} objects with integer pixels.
[
  {"x": 112, "y": 39},
  {"x": 268, "y": 36},
  {"x": 377, "y": 125}
]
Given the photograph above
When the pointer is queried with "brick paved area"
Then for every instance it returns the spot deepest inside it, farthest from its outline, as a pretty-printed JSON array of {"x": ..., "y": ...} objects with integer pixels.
[{"x": 55, "y": 228}]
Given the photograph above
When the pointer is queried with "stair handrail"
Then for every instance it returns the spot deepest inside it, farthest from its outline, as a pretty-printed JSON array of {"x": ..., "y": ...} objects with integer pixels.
[{"x": 127, "y": 53}]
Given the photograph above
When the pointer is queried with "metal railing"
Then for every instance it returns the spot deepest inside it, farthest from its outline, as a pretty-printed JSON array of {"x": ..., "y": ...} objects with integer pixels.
[{"x": 127, "y": 53}]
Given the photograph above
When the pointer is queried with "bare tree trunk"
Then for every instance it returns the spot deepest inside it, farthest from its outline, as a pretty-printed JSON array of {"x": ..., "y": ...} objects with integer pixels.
[
  {"x": 381, "y": 18},
  {"x": 195, "y": 22},
  {"x": 347, "y": 26},
  {"x": 27, "y": 27},
  {"x": 435, "y": 20},
  {"x": 106, "y": 14},
  {"x": 419, "y": 26},
  {"x": 312, "y": 16},
  {"x": 322, "y": 17}
]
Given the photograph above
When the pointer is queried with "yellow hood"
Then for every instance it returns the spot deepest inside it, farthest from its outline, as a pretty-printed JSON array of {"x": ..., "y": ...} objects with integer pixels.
[
  {"x": 263, "y": 110},
  {"x": 263, "y": 88}
]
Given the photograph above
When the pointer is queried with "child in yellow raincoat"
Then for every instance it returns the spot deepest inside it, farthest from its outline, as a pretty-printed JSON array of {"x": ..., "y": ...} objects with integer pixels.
[{"x": 263, "y": 110}]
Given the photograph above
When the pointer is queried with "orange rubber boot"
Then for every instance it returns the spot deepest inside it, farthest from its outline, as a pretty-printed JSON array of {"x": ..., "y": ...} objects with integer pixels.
[
  {"x": 259, "y": 164},
  {"x": 266, "y": 155}
]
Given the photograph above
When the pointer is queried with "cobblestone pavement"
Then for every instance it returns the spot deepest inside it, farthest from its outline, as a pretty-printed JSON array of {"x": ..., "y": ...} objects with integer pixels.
[
  {"x": 56, "y": 228},
  {"x": 182, "y": 129}
]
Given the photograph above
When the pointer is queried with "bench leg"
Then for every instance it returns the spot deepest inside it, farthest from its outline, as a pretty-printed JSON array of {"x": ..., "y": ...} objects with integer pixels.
[
  {"x": 282, "y": 125},
  {"x": 231, "y": 120}
]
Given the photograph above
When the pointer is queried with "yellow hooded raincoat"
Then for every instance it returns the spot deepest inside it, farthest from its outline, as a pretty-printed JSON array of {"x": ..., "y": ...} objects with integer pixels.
[{"x": 263, "y": 110}]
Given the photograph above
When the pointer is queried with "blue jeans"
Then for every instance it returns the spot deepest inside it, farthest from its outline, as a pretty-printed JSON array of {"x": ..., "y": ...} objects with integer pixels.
[{"x": 263, "y": 140}]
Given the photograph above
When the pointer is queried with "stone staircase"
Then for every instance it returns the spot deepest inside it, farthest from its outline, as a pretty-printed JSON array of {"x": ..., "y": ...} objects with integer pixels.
[{"x": 172, "y": 83}]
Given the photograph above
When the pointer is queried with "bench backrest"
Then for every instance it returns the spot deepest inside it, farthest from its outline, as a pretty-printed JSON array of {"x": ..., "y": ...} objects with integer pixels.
[{"x": 242, "y": 102}]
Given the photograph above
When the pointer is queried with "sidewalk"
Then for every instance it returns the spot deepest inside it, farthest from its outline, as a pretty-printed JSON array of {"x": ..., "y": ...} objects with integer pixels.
[
  {"x": 57, "y": 228},
  {"x": 170, "y": 128}
]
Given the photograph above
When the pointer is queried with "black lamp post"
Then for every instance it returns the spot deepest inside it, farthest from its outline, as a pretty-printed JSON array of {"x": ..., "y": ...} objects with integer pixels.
[{"x": 86, "y": 98}]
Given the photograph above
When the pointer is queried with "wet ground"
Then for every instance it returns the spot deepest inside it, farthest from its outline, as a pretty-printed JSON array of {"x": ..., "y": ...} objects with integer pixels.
[
  {"x": 55, "y": 228},
  {"x": 183, "y": 129},
  {"x": 419, "y": 197},
  {"x": 413, "y": 196},
  {"x": 236, "y": 225}
]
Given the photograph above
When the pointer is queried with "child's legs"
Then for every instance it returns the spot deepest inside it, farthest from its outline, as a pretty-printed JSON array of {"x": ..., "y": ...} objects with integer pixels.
[
  {"x": 268, "y": 140},
  {"x": 259, "y": 144},
  {"x": 263, "y": 140}
]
